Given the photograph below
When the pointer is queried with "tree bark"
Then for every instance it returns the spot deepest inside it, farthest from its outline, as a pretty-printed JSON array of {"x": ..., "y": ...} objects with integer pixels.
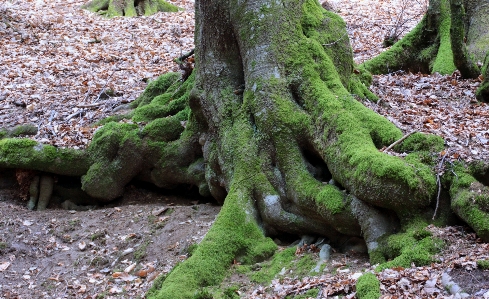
[{"x": 129, "y": 8}]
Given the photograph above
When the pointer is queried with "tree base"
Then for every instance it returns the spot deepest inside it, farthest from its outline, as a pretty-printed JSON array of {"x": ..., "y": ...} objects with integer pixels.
[{"x": 129, "y": 8}]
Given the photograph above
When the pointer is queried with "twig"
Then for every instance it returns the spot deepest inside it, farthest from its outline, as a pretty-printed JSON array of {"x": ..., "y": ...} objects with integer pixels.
[
  {"x": 185, "y": 56},
  {"x": 438, "y": 181},
  {"x": 89, "y": 105},
  {"x": 335, "y": 42},
  {"x": 79, "y": 113},
  {"x": 42, "y": 270},
  {"x": 397, "y": 142},
  {"x": 103, "y": 88}
]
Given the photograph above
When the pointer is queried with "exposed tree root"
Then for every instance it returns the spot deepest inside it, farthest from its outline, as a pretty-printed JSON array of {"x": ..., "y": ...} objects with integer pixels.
[{"x": 129, "y": 8}]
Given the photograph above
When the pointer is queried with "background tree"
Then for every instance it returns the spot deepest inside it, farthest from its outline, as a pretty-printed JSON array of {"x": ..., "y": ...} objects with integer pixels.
[
  {"x": 269, "y": 125},
  {"x": 129, "y": 8},
  {"x": 452, "y": 35}
]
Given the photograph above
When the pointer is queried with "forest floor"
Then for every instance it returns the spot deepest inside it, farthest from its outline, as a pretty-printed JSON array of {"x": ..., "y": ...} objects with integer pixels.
[{"x": 57, "y": 65}]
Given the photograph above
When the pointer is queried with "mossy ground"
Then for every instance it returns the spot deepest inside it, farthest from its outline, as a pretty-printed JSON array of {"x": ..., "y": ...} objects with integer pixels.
[
  {"x": 414, "y": 245},
  {"x": 368, "y": 287}
]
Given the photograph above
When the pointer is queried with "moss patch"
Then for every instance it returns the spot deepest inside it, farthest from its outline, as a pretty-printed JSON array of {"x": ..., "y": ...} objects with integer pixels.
[
  {"x": 483, "y": 264},
  {"x": 368, "y": 286},
  {"x": 233, "y": 234},
  {"x": 284, "y": 260},
  {"x": 414, "y": 245}
]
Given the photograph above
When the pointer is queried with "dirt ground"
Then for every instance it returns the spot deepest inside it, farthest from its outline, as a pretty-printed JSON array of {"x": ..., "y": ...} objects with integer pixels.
[{"x": 113, "y": 251}]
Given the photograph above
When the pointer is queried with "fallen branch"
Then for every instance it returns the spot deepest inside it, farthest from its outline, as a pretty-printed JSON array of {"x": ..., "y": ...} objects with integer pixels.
[
  {"x": 79, "y": 113},
  {"x": 397, "y": 142},
  {"x": 184, "y": 56},
  {"x": 89, "y": 105}
]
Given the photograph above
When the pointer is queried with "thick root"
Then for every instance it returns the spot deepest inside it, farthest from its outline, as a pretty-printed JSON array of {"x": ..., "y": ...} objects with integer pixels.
[
  {"x": 471, "y": 203},
  {"x": 234, "y": 236},
  {"x": 45, "y": 191},
  {"x": 127, "y": 8},
  {"x": 33, "y": 193}
]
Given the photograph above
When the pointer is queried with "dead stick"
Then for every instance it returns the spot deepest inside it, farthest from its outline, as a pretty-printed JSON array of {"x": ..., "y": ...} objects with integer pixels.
[
  {"x": 397, "y": 142},
  {"x": 89, "y": 105}
]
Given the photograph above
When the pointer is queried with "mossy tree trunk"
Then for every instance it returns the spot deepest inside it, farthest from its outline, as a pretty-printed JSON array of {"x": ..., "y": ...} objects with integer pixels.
[
  {"x": 452, "y": 35},
  {"x": 129, "y": 8},
  {"x": 269, "y": 125}
]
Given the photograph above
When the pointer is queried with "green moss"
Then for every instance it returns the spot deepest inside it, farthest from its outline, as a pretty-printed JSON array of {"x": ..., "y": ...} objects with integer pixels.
[
  {"x": 111, "y": 8},
  {"x": 156, "y": 88},
  {"x": 312, "y": 293},
  {"x": 203, "y": 294},
  {"x": 478, "y": 168},
  {"x": 285, "y": 259},
  {"x": 331, "y": 199},
  {"x": 421, "y": 142},
  {"x": 482, "y": 201},
  {"x": 270, "y": 269},
  {"x": 352, "y": 126},
  {"x": 151, "y": 7},
  {"x": 168, "y": 128},
  {"x": 19, "y": 130},
  {"x": 108, "y": 139},
  {"x": 376, "y": 257},
  {"x": 483, "y": 264},
  {"x": 114, "y": 118},
  {"x": 304, "y": 265},
  {"x": 368, "y": 286},
  {"x": 463, "y": 204},
  {"x": 259, "y": 252},
  {"x": 469, "y": 200},
  {"x": 444, "y": 63},
  {"x": 140, "y": 252},
  {"x": 191, "y": 249},
  {"x": 3, "y": 133},
  {"x": 231, "y": 292},
  {"x": 233, "y": 233},
  {"x": 26, "y": 153},
  {"x": 157, "y": 284},
  {"x": 414, "y": 245},
  {"x": 169, "y": 100},
  {"x": 396, "y": 57},
  {"x": 426, "y": 55}
]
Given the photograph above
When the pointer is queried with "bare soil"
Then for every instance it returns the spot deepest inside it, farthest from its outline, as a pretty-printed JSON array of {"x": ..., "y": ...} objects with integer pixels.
[{"x": 114, "y": 251}]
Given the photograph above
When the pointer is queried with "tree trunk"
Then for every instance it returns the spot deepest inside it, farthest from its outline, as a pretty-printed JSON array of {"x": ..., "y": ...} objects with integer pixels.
[
  {"x": 452, "y": 35},
  {"x": 268, "y": 124},
  {"x": 129, "y": 8}
]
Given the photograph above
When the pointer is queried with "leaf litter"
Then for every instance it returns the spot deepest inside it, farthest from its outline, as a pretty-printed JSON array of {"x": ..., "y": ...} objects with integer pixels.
[{"x": 63, "y": 69}]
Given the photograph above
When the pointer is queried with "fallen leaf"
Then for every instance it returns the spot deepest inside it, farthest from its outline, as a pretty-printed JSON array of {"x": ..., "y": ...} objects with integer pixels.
[
  {"x": 130, "y": 268},
  {"x": 82, "y": 245},
  {"x": 4, "y": 266}
]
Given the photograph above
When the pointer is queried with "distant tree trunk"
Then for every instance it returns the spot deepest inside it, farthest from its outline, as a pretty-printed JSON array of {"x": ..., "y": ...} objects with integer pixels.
[
  {"x": 452, "y": 35},
  {"x": 129, "y": 8}
]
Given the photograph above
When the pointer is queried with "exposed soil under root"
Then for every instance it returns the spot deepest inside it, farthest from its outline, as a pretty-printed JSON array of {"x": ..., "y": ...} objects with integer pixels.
[{"x": 84, "y": 253}]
